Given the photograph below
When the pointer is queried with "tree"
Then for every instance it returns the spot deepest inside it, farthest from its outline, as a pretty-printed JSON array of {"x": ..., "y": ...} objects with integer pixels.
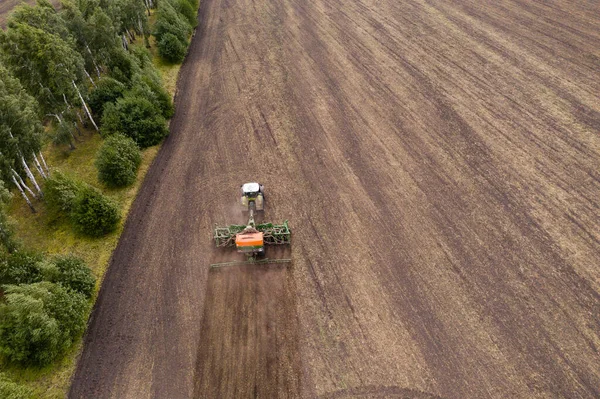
[
  {"x": 61, "y": 192},
  {"x": 135, "y": 117},
  {"x": 93, "y": 31},
  {"x": 186, "y": 10},
  {"x": 6, "y": 231},
  {"x": 108, "y": 90},
  {"x": 21, "y": 268},
  {"x": 147, "y": 85},
  {"x": 122, "y": 66},
  {"x": 20, "y": 135},
  {"x": 38, "y": 322},
  {"x": 71, "y": 272},
  {"x": 169, "y": 21},
  {"x": 118, "y": 161},
  {"x": 94, "y": 214},
  {"x": 128, "y": 16},
  {"x": 42, "y": 16},
  {"x": 47, "y": 66},
  {"x": 171, "y": 49}
]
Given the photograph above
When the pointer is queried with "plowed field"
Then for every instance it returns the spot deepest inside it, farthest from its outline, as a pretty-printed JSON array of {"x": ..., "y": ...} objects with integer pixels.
[{"x": 439, "y": 165}]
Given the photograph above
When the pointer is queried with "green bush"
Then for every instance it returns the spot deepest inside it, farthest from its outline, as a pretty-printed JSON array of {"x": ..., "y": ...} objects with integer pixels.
[
  {"x": 21, "y": 268},
  {"x": 38, "y": 322},
  {"x": 186, "y": 10},
  {"x": 60, "y": 192},
  {"x": 94, "y": 214},
  {"x": 135, "y": 117},
  {"x": 171, "y": 49},
  {"x": 107, "y": 90},
  {"x": 12, "y": 390},
  {"x": 121, "y": 65},
  {"x": 169, "y": 21},
  {"x": 149, "y": 86},
  {"x": 118, "y": 161},
  {"x": 71, "y": 272}
]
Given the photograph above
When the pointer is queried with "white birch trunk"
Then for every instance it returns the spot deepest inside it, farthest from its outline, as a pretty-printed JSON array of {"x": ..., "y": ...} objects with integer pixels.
[
  {"x": 44, "y": 163},
  {"x": 31, "y": 177},
  {"x": 93, "y": 60},
  {"x": 124, "y": 42},
  {"x": 87, "y": 111},
  {"x": 23, "y": 183},
  {"x": 89, "y": 77},
  {"x": 38, "y": 166},
  {"x": 23, "y": 194}
]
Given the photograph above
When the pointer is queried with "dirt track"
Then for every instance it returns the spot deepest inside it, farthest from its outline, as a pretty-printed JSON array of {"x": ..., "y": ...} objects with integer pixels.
[{"x": 439, "y": 165}]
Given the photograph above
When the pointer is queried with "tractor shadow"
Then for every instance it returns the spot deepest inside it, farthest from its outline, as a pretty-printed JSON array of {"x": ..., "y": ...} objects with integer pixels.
[{"x": 249, "y": 334}]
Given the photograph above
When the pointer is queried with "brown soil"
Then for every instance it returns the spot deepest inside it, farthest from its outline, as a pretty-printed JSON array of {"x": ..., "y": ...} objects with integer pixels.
[{"x": 438, "y": 162}]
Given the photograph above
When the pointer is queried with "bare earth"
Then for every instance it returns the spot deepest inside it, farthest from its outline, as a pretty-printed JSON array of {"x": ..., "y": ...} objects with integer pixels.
[{"x": 439, "y": 164}]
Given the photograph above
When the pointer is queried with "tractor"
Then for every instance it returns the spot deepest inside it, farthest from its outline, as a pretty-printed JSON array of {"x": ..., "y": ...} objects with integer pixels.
[
  {"x": 251, "y": 239},
  {"x": 253, "y": 196}
]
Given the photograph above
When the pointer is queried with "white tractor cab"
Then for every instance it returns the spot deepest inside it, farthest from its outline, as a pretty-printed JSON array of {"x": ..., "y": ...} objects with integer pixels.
[{"x": 253, "y": 197}]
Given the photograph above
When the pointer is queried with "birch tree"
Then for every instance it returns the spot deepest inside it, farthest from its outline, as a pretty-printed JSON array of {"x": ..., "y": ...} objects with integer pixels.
[
  {"x": 20, "y": 136},
  {"x": 47, "y": 66}
]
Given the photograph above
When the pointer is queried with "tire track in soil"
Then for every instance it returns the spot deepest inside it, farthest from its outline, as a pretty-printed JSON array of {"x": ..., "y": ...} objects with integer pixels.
[
  {"x": 249, "y": 334},
  {"x": 437, "y": 161}
]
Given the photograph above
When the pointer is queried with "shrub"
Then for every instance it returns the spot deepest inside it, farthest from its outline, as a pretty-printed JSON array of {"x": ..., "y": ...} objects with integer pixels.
[
  {"x": 169, "y": 21},
  {"x": 186, "y": 10},
  {"x": 135, "y": 117},
  {"x": 121, "y": 65},
  {"x": 150, "y": 87},
  {"x": 171, "y": 49},
  {"x": 94, "y": 214},
  {"x": 21, "y": 268},
  {"x": 118, "y": 161},
  {"x": 12, "y": 390},
  {"x": 60, "y": 192},
  {"x": 107, "y": 90},
  {"x": 38, "y": 322},
  {"x": 71, "y": 272}
]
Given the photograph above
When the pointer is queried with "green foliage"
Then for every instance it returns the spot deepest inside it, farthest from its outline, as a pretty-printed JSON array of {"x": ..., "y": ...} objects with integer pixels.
[
  {"x": 121, "y": 65},
  {"x": 61, "y": 192},
  {"x": 21, "y": 268},
  {"x": 42, "y": 16},
  {"x": 171, "y": 49},
  {"x": 146, "y": 86},
  {"x": 45, "y": 63},
  {"x": 39, "y": 321},
  {"x": 94, "y": 214},
  {"x": 128, "y": 15},
  {"x": 169, "y": 21},
  {"x": 20, "y": 125},
  {"x": 12, "y": 390},
  {"x": 107, "y": 90},
  {"x": 118, "y": 161},
  {"x": 71, "y": 272},
  {"x": 135, "y": 117},
  {"x": 6, "y": 229},
  {"x": 186, "y": 10}
]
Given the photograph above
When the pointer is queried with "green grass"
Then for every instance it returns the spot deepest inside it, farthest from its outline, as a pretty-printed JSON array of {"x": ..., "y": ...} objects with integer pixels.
[{"x": 50, "y": 235}]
